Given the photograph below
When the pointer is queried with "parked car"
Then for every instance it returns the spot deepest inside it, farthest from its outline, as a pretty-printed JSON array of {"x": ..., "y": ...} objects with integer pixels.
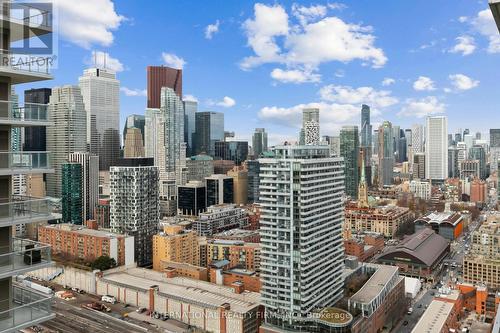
[
  {"x": 140, "y": 310},
  {"x": 108, "y": 299}
]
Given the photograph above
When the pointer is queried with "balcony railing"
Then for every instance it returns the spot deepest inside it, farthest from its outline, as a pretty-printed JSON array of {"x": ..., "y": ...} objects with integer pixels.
[
  {"x": 23, "y": 256},
  {"x": 37, "y": 15},
  {"x": 28, "y": 308},
  {"x": 23, "y": 209},
  {"x": 29, "y": 112},
  {"x": 33, "y": 63},
  {"x": 20, "y": 161}
]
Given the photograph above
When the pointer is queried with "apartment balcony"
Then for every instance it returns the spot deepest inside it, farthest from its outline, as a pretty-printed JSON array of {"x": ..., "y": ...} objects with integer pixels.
[
  {"x": 24, "y": 162},
  {"x": 23, "y": 256},
  {"x": 25, "y": 68},
  {"x": 27, "y": 308},
  {"x": 29, "y": 114},
  {"x": 23, "y": 209}
]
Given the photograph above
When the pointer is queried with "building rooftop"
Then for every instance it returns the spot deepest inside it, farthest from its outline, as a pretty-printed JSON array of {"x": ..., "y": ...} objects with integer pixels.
[
  {"x": 80, "y": 229},
  {"x": 192, "y": 291},
  {"x": 236, "y": 233},
  {"x": 375, "y": 284},
  {"x": 434, "y": 318},
  {"x": 438, "y": 218},
  {"x": 425, "y": 246}
]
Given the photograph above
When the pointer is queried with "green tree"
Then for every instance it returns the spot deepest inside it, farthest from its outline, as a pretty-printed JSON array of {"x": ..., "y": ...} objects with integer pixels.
[{"x": 103, "y": 263}]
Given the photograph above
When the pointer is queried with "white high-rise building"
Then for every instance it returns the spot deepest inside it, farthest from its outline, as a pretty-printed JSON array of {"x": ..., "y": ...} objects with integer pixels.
[
  {"x": 417, "y": 138},
  {"x": 101, "y": 96},
  {"x": 436, "y": 148},
  {"x": 68, "y": 134},
  {"x": 90, "y": 181},
  {"x": 135, "y": 208},
  {"x": 301, "y": 191}
]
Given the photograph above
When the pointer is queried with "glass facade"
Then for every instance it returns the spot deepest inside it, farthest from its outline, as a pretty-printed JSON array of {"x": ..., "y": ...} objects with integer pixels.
[{"x": 349, "y": 150}]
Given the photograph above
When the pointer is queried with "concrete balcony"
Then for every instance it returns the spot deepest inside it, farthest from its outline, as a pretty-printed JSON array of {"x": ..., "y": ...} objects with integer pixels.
[
  {"x": 29, "y": 114},
  {"x": 24, "y": 162},
  {"x": 23, "y": 256},
  {"x": 23, "y": 209},
  {"x": 27, "y": 308}
]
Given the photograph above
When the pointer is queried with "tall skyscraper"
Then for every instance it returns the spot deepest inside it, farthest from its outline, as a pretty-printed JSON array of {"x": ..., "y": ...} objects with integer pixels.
[
  {"x": 494, "y": 149},
  {"x": 436, "y": 148},
  {"x": 366, "y": 141},
  {"x": 159, "y": 77},
  {"x": 21, "y": 306},
  {"x": 136, "y": 121},
  {"x": 253, "y": 167},
  {"x": 417, "y": 138},
  {"x": 90, "y": 181},
  {"x": 134, "y": 207},
  {"x": 69, "y": 133},
  {"x": 259, "y": 142},
  {"x": 309, "y": 135},
  {"x": 153, "y": 121},
  {"x": 172, "y": 112},
  {"x": 453, "y": 171},
  {"x": 385, "y": 154},
  {"x": 349, "y": 150},
  {"x": 72, "y": 193},
  {"x": 101, "y": 96},
  {"x": 133, "y": 144},
  {"x": 35, "y": 138},
  {"x": 190, "y": 109},
  {"x": 209, "y": 129},
  {"x": 301, "y": 233},
  {"x": 477, "y": 152}
]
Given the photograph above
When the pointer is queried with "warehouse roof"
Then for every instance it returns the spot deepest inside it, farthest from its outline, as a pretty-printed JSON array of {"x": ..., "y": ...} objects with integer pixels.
[{"x": 187, "y": 290}]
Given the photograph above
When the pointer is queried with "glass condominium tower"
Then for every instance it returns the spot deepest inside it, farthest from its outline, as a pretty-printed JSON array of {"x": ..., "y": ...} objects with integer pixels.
[
  {"x": 100, "y": 91},
  {"x": 302, "y": 212}
]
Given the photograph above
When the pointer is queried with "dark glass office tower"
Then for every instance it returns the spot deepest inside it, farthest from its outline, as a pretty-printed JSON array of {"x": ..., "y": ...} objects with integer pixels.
[
  {"x": 349, "y": 150},
  {"x": 191, "y": 199},
  {"x": 220, "y": 190},
  {"x": 236, "y": 151},
  {"x": 209, "y": 129},
  {"x": 366, "y": 141},
  {"x": 35, "y": 137}
]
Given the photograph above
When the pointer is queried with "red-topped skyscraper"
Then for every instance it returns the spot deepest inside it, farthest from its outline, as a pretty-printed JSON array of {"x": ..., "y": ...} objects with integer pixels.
[{"x": 162, "y": 76}]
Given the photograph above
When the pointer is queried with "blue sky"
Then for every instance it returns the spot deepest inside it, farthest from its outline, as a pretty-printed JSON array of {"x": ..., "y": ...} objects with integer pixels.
[{"x": 260, "y": 63}]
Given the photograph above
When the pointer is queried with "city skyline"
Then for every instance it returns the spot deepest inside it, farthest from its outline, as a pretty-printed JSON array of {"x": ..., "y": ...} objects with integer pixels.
[{"x": 464, "y": 35}]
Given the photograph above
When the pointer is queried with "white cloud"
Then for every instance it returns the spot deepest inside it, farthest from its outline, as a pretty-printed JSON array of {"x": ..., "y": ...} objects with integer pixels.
[
  {"x": 190, "y": 98},
  {"x": 173, "y": 61},
  {"x": 211, "y": 30},
  {"x": 294, "y": 76},
  {"x": 349, "y": 95},
  {"x": 226, "y": 102},
  {"x": 133, "y": 92},
  {"x": 463, "y": 19},
  {"x": 269, "y": 23},
  {"x": 465, "y": 45},
  {"x": 306, "y": 14},
  {"x": 337, "y": 5},
  {"x": 388, "y": 81},
  {"x": 104, "y": 60},
  {"x": 88, "y": 22},
  {"x": 275, "y": 38},
  {"x": 423, "y": 107},
  {"x": 462, "y": 82},
  {"x": 424, "y": 83},
  {"x": 332, "y": 116},
  {"x": 484, "y": 24}
]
